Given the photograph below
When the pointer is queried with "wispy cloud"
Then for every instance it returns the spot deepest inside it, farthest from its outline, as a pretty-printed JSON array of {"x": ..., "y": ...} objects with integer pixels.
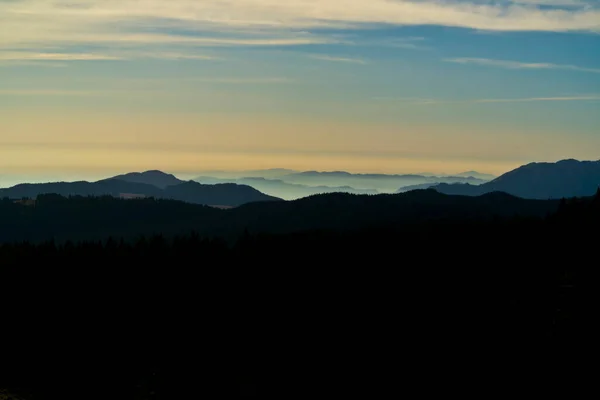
[
  {"x": 27, "y": 56},
  {"x": 552, "y": 3},
  {"x": 36, "y": 24},
  {"x": 338, "y": 59},
  {"x": 519, "y": 65},
  {"x": 52, "y": 92},
  {"x": 161, "y": 55},
  {"x": 32, "y": 64},
  {"x": 129, "y": 39},
  {"x": 413, "y": 100},
  {"x": 425, "y": 101},
  {"x": 534, "y": 99},
  {"x": 242, "y": 81},
  {"x": 409, "y": 43},
  {"x": 39, "y": 59}
]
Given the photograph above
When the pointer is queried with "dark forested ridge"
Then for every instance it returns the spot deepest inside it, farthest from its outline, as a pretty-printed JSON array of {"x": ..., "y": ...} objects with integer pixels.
[
  {"x": 94, "y": 218},
  {"x": 566, "y": 178},
  {"x": 471, "y": 303}
]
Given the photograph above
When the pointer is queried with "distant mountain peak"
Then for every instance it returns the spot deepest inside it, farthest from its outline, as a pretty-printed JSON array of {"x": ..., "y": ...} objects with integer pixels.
[
  {"x": 539, "y": 180},
  {"x": 477, "y": 175},
  {"x": 570, "y": 160},
  {"x": 154, "y": 172},
  {"x": 156, "y": 178}
]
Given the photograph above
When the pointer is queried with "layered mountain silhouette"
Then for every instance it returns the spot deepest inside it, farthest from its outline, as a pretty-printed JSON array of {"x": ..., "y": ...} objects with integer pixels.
[
  {"x": 285, "y": 190},
  {"x": 381, "y": 182},
  {"x": 566, "y": 178},
  {"x": 421, "y": 186},
  {"x": 147, "y": 184},
  {"x": 478, "y": 175},
  {"x": 291, "y": 185}
]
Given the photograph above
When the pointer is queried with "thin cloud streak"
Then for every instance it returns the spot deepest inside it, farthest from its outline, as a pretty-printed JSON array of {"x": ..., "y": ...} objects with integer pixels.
[
  {"x": 51, "y": 92},
  {"x": 169, "y": 56},
  {"x": 514, "y": 100},
  {"x": 415, "y": 102},
  {"x": 128, "y": 39},
  {"x": 47, "y": 64},
  {"x": 409, "y": 43},
  {"x": 532, "y": 99},
  {"x": 241, "y": 81},
  {"x": 519, "y": 65},
  {"x": 24, "y": 56},
  {"x": 41, "y": 58},
  {"x": 552, "y": 3},
  {"x": 338, "y": 59}
]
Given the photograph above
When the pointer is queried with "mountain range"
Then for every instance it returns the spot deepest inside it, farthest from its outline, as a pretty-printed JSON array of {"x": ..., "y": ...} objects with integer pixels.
[
  {"x": 475, "y": 174},
  {"x": 566, "y": 178},
  {"x": 147, "y": 184},
  {"x": 381, "y": 182},
  {"x": 285, "y": 190},
  {"x": 291, "y": 185}
]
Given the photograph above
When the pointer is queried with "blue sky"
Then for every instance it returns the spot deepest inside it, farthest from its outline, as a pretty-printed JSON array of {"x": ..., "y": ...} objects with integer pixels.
[{"x": 361, "y": 85}]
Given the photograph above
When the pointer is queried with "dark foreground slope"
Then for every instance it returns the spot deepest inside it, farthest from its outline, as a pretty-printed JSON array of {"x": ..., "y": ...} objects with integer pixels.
[
  {"x": 371, "y": 312},
  {"x": 83, "y": 218}
]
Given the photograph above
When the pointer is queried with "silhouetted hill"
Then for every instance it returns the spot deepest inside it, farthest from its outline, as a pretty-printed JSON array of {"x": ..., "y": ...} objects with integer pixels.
[
  {"x": 225, "y": 194},
  {"x": 156, "y": 178},
  {"x": 567, "y": 178},
  {"x": 191, "y": 192},
  {"x": 284, "y": 190},
  {"x": 95, "y": 218}
]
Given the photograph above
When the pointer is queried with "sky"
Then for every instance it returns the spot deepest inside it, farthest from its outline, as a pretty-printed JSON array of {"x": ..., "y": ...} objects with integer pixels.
[{"x": 94, "y": 87}]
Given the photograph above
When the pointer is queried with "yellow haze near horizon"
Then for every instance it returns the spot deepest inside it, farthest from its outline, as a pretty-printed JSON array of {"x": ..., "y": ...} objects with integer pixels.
[{"x": 196, "y": 142}]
